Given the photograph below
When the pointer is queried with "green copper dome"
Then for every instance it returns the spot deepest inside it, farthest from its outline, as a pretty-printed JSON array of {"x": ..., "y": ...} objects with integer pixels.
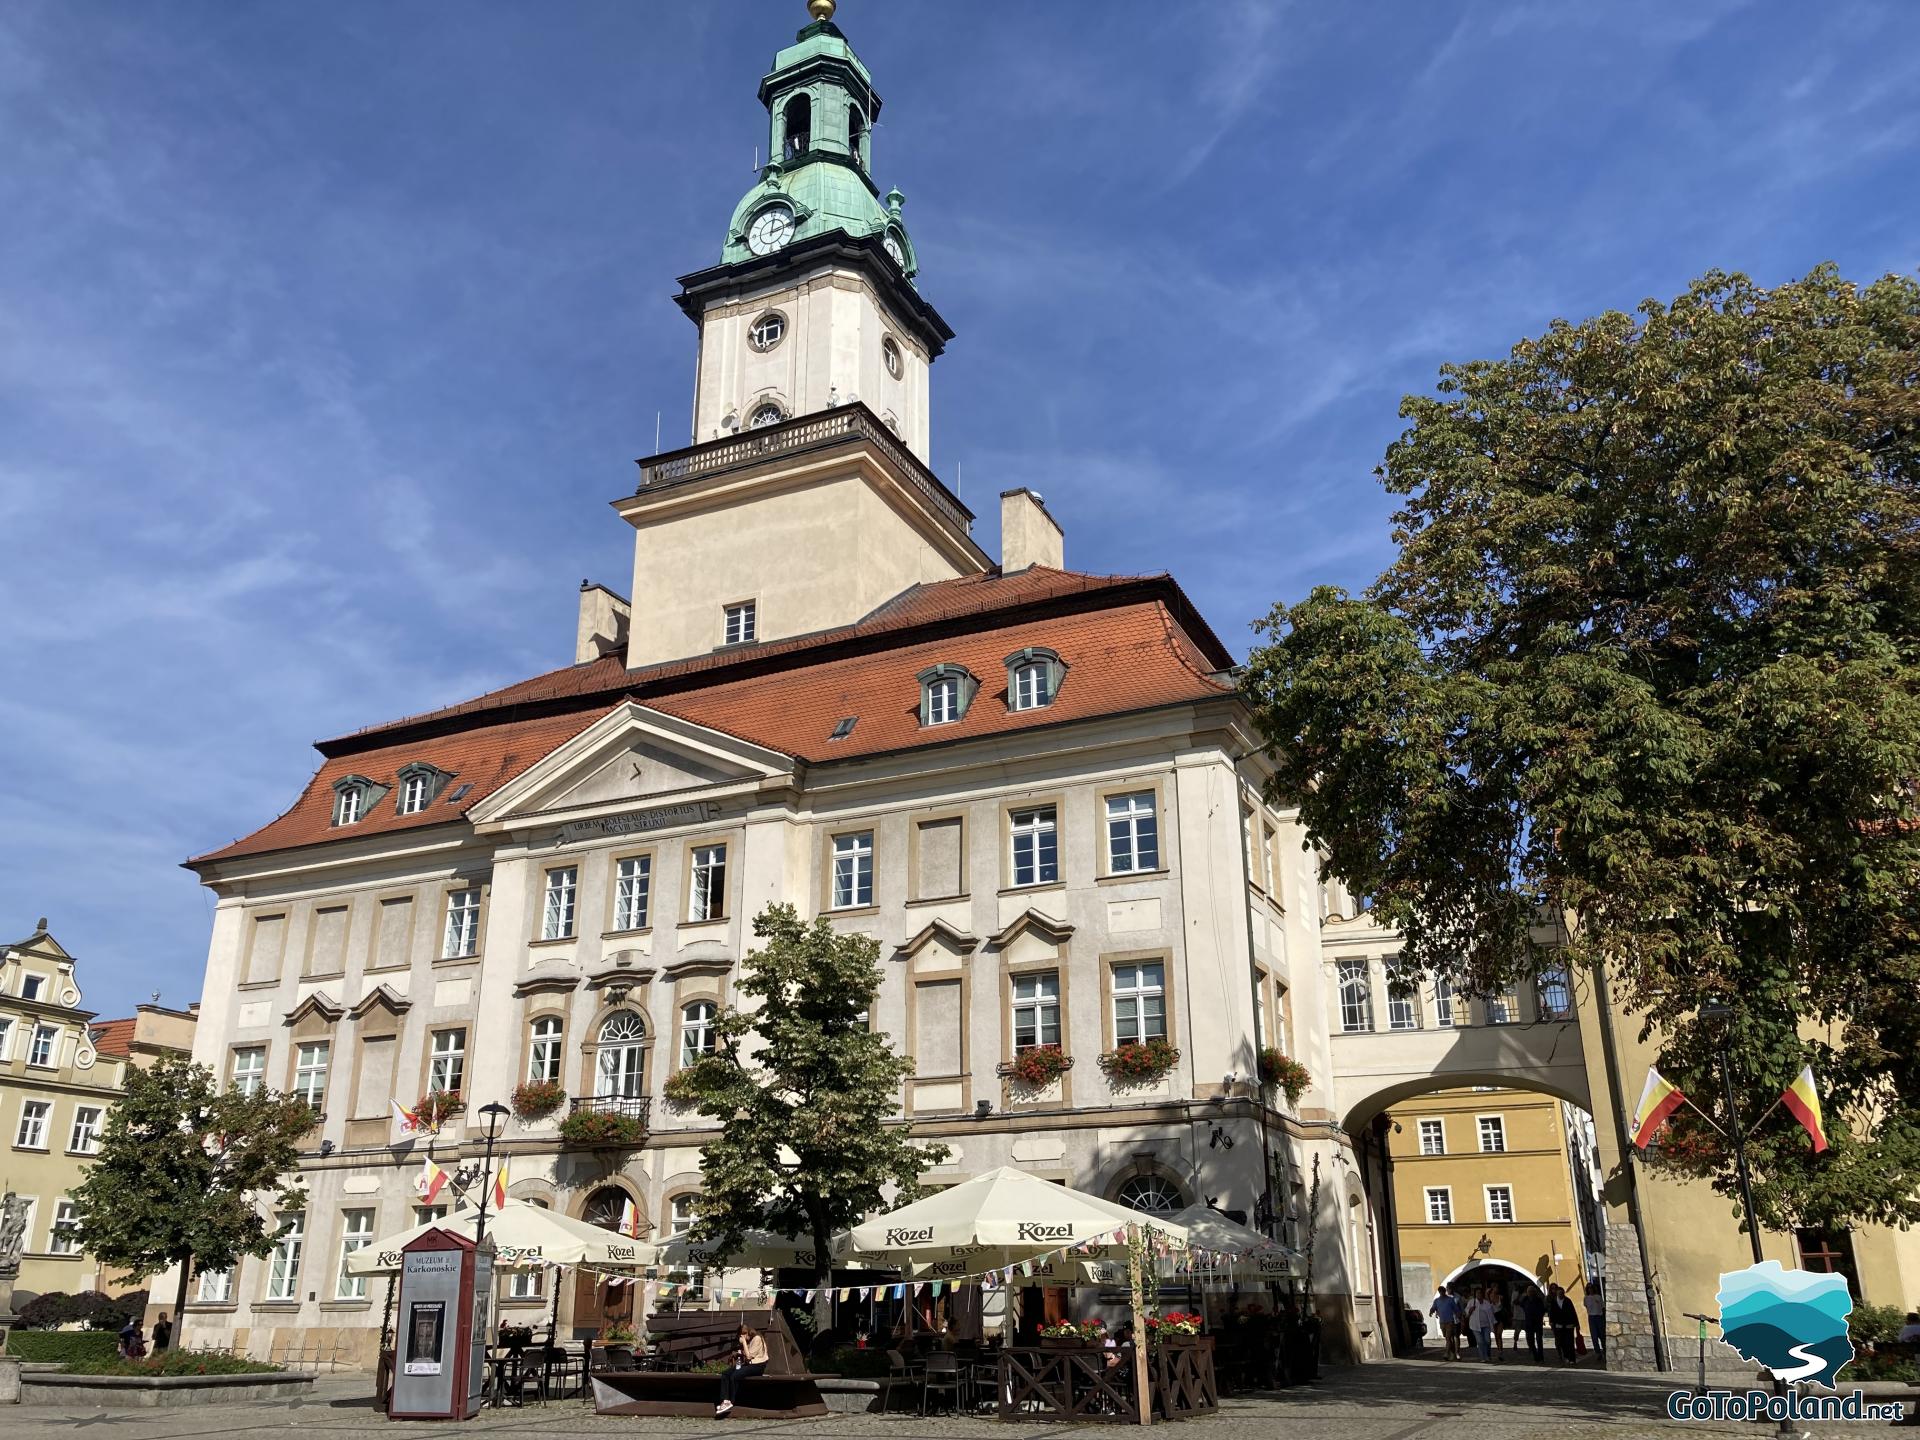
[{"x": 821, "y": 107}]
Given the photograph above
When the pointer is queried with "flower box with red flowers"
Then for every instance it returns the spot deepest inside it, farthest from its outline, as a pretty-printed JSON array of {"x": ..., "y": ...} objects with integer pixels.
[
  {"x": 1280, "y": 1072},
  {"x": 537, "y": 1099},
  {"x": 1140, "y": 1062},
  {"x": 1037, "y": 1066},
  {"x": 435, "y": 1108}
]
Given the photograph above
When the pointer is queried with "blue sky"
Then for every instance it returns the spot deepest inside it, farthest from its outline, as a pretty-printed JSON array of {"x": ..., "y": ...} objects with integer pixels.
[{"x": 327, "y": 332}]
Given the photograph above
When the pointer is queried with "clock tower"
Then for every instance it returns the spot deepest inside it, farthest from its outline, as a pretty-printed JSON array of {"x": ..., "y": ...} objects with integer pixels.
[
  {"x": 805, "y": 501},
  {"x": 815, "y": 303}
]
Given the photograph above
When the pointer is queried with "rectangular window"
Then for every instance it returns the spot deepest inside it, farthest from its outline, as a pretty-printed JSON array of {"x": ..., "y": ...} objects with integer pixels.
[
  {"x": 30, "y": 986},
  {"x": 64, "y": 1237},
  {"x": 943, "y": 700},
  {"x": 32, "y": 1134},
  {"x": 85, "y": 1137},
  {"x": 283, "y": 1274},
  {"x": 40, "y": 1049},
  {"x": 1433, "y": 1137},
  {"x": 249, "y": 1071},
  {"x": 697, "y": 1036},
  {"x": 1500, "y": 1204},
  {"x": 853, "y": 870},
  {"x": 680, "y": 1218},
  {"x": 216, "y": 1287},
  {"x": 1133, "y": 833},
  {"x": 447, "y": 1071},
  {"x": 525, "y": 1284},
  {"x": 427, "y": 1214},
  {"x": 1269, "y": 872},
  {"x": 310, "y": 1074},
  {"x": 1036, "y": 852},
  {"x": 1032, "y": 685},
  {"x": 556, "y": 918},
  {"x": 1139, "y": 1003},
  {"x": 543, "y": 1054},
  {"x": 413, "y": 799},
  {"x": 632, "y": 889},
  {"x": 1443, "y": 1002},
  {"x": 346, "y": 808},
  {"x": 1439, "y": 1205},
  {"x": 1356, "y": 996},
  {"x": 1403, "y": 1011},
  {"x": 463, "y": 924},
  {"x": 1503, "y": 1008},
  {"x": 6, "y": 1039},
  {"x": 356, "y": 1233},
  {"x": 1036, "y": 1010},
  {"x": 707, "y": 895},
  {"x": 1493, "y": 1134},
  {"x": 741, "y": 620}
]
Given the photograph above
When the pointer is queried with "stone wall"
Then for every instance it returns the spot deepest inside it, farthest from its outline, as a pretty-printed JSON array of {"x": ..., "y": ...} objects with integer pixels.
[{"x": 1629, "y": 1338}]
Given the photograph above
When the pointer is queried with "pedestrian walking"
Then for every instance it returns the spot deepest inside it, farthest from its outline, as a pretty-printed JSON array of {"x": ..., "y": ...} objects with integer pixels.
[
  {"x": 1564, "y": 1319},
  {"x": 1595, "y": 1301},
  {"x": 1446, "y": 1311},
  {"x": 1533, "y": 1318},
  {"x": 1480, "y": 1318},
  {"x": 133, "y": 1341},
  {"x": 1502, "y": 1320}
]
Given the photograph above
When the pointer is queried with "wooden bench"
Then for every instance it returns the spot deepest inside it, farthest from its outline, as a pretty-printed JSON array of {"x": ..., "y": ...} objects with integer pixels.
[{"x": 672, "y": 1386}]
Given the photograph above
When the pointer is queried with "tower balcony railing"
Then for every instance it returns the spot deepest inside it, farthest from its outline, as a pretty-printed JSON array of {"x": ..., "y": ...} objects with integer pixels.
[{"x": 823, "y": 430}]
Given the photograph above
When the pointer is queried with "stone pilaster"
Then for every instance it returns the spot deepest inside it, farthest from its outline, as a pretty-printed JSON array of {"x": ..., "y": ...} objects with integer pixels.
[{"x": 1629, "y": 1320}]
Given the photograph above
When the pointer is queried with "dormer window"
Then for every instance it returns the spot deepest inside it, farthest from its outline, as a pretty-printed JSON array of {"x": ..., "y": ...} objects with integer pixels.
[
  {"x": 945, "y": 693},
  {"x": 354, "y": 797},
  {"x": 420, "y": 783},
  {"x": 1033, "y": 678}
]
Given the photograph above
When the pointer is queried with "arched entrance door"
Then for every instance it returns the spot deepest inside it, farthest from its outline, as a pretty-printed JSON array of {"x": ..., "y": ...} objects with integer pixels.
[{"x": 594, "y": 1304}]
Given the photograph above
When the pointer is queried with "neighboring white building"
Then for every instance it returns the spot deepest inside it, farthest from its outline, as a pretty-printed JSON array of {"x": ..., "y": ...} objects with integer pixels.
[{"x": 1035, "y": 787}]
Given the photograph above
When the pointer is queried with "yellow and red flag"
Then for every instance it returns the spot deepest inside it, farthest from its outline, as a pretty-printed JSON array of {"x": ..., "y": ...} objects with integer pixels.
[
  {"x": 1804, "y": 1101},
  {"x": 432, "y": 1180},
  {"x": 1659, "y": 1100},
  {"x": 500, "y": 1187},
  {"x": 629, "y": 1220}
]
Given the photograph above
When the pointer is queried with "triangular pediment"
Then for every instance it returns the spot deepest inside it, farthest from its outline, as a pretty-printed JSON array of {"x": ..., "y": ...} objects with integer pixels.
[
  {"x": 318, "y": 1004},
  {"x": 937, "y": 935},
  {"x": 1036, "y": 923},
  {"x": 381, "y": 997},
  {"x": 634, "y": 758}
]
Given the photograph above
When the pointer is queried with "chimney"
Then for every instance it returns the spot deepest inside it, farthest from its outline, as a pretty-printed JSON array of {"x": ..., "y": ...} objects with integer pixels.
[
  {"x": 604, "y": 618},
  {"x": 1028, "y": 534}
]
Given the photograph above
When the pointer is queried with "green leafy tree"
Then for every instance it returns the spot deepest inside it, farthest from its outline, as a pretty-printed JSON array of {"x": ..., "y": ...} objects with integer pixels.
[
  {"x": 1649, "y": 663},
  {"x": 806, "y": 1092},
  {"x": 182, "y": 1171}
]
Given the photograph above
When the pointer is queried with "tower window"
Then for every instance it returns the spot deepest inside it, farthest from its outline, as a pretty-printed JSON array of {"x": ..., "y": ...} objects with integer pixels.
[
  {"x": 799, "y": 122},
  {"x": 768, "y": 331},
  {"x": 890, "y": 354},
  {"x": 740, "y": 627},
  {"x": 765, "y": 415},
  {"x": 856, "y": 133}
]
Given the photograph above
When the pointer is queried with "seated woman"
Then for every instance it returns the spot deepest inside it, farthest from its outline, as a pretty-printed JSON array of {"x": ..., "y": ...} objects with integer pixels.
[{"x": 750, "y": 1359}]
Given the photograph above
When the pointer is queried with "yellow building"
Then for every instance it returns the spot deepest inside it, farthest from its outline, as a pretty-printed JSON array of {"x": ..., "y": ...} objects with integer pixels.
[
  {"x": 1484, "y": 1192},
  {"x": 59, "y": 1073}
]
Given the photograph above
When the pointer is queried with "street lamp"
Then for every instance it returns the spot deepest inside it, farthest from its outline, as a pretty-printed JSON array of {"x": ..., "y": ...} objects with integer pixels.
[{"x": 496, "y": 1114}]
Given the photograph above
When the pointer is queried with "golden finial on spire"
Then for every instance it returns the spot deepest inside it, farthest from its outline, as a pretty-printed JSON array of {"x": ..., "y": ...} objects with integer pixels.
[{"x": 822, "y": 9}]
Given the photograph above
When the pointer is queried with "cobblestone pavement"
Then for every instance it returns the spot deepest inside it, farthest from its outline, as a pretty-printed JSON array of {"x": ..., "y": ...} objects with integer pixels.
[{"x": 1395, "y": 1400}]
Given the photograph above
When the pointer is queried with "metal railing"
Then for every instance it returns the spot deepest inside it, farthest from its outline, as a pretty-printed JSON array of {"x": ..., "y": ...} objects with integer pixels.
[
  {"x": 634, "y": 1107},
  {"x": 824, "y": 430}
]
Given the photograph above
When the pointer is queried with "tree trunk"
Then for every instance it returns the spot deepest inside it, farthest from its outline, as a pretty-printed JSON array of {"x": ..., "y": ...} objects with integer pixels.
[
  {"x": 180, "y": 1301},
  {"x": 822, "y": 1276}
]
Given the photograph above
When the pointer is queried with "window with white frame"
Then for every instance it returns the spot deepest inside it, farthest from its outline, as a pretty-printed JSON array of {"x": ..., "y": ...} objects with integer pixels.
[
  {"x": 768, "y": 331},
  {"x": 1356, "y": 996},
  {"x": 1139, "y": 1003},
  {"x": 680, "y": 1218},
  {"x": 346, "y": 805},
  {"x": 765, "y": 415},
  {"x": 215, "y": 1287},
  {"x": 742, "y": 622},
  {"x": 1133, "y": 833},
  {"x": 310, "y": 1073},
  {"x": 428, "y": 1214},
  {"x": 32, "y": 1134},
  {"x": 1493, "y": 1134},
  {"x": 543, "y": 1050},
  {"x": 1499, "y": 1204},
  {"x": 84, "y": 1139},
  {"x": 1439, "y": 1205},
  {"x": 707, "y": 892},
  {"x": 415, "y": 791},
  {"x": 249, "y": 1071},
  {"x": 1443, "y": 1002},
  {"x": 1503, "y": 1008},
  {"x": 697, "y": 1038},
  {"x": 64, "y": 1236},
  {"x": 6, "y": 1038},
  {"x": 356, "y": 1233},
  {"x": 945, "y": 693},
  {"x": 1032, "y": 685},
  {"x": 447, "y": 1067},
  {"x": 853, "y": 870},
  {"x": 40, "y": 1050},
  {"x": 1036, "y": 853},
  {"x": 1433, "y": 1137},
  {"x": 463, "y": 923},
  {"x": 622, "y": 1056},
  {"x": 632, "y": 892},
  {"x": 1036, "y": 1009},
  {"x": 1403, "y": 1009},
  {"x": 556, "y": 914},
  {"x": 283, "y": 1270},
  {"x": 1555, "y": 994}
]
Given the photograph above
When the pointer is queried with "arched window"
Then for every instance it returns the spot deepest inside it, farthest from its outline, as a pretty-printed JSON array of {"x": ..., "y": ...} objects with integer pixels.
[
  {"x": 799, "y": 126},
  {"x": 1555, "y": 994},
  {"x": 765, "y": 414},
  {"x": 622, "y": 1061},
  {"x": 1151, "y": 1194},
  {"x": 856, "y": 134},
  {"x": 768, "y": 331},
  {"x": 606, "y": 1206},
  {"x": 890, "y": 356},
  {"x": 696, "y": 1031},
  {"x": 543, "y": 1053},
  {"x": 1033, "y": 678}
]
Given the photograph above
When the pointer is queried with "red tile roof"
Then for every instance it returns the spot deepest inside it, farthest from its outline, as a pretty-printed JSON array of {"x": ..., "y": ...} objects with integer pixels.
[
  {"x": 1128, "y": 643},
  {"x": 113, "y": 1038}
]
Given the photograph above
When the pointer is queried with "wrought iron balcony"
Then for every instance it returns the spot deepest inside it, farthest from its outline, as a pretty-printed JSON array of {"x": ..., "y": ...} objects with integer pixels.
[
  {"x": 632, "y": 1107},
  {"x": 823, "y": 430}
]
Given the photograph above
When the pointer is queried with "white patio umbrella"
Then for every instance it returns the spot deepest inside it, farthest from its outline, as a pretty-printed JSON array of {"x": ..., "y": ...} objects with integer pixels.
[
  {"x": 1238, "y": 1252},
  {"x": 757, "y": 1250},
  {"x": 525, "y": 1236}
]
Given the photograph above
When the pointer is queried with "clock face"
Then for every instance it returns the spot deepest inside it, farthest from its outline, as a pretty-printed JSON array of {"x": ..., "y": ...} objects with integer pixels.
[
  {"x": 771, "y": 229},
  {"x": 896, "y": 250}
]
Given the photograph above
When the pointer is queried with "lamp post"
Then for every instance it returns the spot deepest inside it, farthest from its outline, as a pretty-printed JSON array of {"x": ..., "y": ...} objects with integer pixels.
[{"x": 496, "y": 1114}]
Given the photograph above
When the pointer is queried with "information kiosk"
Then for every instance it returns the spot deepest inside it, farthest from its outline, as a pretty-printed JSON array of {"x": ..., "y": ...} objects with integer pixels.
[{"x": 440, "y": 1335}]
